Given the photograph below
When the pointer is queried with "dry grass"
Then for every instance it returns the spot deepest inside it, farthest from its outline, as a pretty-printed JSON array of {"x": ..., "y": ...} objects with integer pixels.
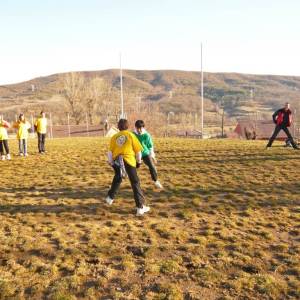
[{"x": 226, "y": 226}]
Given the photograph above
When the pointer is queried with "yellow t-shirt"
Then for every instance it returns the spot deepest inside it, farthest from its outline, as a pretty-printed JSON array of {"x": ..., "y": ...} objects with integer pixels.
[
  {"x": 3, "y": 132},
  {"x": 22, "y": 132},
  {"x": 41, "y": 125},
  {"x": 125, "y": 143}
]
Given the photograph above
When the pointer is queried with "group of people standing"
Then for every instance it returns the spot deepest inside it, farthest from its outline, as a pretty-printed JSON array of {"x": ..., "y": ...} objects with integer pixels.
[{"x": 22, "y": 127}]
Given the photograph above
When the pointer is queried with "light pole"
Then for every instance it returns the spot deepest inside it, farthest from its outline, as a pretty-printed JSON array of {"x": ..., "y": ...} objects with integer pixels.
[
  {"x": 121, "y": 89},
  {"x": 202, "y": 96}
]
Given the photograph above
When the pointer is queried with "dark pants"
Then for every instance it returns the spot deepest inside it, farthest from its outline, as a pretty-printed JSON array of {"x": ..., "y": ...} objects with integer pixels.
[
  {"x": 134, "y": 181},
  {"x": 41, "y": 142},
  {"x": 287, "y": 132},
  {"x": 149, "y": 162},
  {"x": 4, "y": 145}
]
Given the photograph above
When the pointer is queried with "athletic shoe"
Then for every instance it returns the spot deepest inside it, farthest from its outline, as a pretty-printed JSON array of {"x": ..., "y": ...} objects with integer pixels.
[
  {"x": 8, "y": 156},
  {"x": 268, "y": 148},
  {"x": 109, "y": 201},
  {"x": 2, "y": 157},
  {"x": 158, "y": 184},
  {"x": 21, "y": 154},
  {"x": 141, "y": 211},
  {"x": 26, "y": 154}
]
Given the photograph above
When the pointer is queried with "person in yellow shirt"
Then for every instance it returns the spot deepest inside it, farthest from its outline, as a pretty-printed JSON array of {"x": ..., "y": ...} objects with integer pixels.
[
  {"x": 22, "y": 127},
  {"x": 4, "y": 139},
  {"x": 125, "y": 156},
  {"x": 40, "y": 126}
]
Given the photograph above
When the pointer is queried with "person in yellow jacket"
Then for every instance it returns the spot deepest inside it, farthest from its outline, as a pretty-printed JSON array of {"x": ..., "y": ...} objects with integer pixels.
[
  {"x": 4, "y": 139},
  {"x": 125, "y": 156},
  {"x": 22, "y": 127},
  {"x": 40, "y": 126}
]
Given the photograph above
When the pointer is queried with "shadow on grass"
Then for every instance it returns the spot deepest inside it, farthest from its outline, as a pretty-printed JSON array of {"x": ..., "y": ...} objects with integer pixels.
[{"x": 90, "y": 201}]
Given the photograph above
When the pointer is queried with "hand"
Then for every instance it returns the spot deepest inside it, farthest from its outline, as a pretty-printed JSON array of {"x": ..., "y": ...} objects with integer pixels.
[{"x": 154, "y": 160}]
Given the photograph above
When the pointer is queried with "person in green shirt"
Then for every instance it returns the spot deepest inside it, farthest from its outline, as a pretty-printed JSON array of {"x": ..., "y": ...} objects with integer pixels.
[{"x": 148, "y": 155}]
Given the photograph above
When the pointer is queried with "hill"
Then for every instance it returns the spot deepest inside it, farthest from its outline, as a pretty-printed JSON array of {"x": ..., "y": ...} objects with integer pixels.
[{"x": 177, "y": 91}]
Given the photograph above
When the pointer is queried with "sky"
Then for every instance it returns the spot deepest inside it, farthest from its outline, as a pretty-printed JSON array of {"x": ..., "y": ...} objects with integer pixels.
[{"x": 40, "y": 38}]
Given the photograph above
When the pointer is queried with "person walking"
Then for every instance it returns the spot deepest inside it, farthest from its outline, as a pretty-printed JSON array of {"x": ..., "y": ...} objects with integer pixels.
[
  {"x": 283, "y": 119},
  {"x": 40, "y": 126},
  {"x": 148, "y": 155},
  {"x": 22, "y": 127},
  {"x": 125, "y": 156},
  {"x": 4, "y": 139}
]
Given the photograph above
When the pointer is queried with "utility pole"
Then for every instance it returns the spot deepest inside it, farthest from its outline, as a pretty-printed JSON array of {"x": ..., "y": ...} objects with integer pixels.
[
  {"x": 121, "y": 88},
  {"x": 202, "y": 100}
]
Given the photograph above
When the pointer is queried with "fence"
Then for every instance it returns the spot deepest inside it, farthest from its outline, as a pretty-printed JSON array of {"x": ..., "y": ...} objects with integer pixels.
[{"x": 159, "y": 124}]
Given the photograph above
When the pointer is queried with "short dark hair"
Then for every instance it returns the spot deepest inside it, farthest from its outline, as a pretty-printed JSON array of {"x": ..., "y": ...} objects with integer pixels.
[
  {"x": 123, "y": 124},
  {"x": 139, "y": 124}
]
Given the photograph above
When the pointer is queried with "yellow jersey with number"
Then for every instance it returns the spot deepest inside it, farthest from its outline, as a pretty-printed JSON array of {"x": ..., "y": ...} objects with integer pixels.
[
  {"x": 41, "y": 125},
  {"x": 125, "y": 143}
]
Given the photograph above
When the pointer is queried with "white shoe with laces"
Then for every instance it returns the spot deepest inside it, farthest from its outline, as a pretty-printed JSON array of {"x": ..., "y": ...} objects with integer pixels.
[
  {"x": 2, "y": 157},
  {"x": 141, "y": 211},
  {"x": 109, "y": 201},
  {"x": 158, "y": 184},
  {"x": 8, "y": 156}
]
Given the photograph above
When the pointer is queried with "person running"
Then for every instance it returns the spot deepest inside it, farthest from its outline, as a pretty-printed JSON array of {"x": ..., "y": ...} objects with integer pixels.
[
  {"x": 125, "y": 156},
  {"x": 283, "y": 119},
  {"x": 22, "y": 127},
  {"x": 40, "y": 126},
  {"x": 148, "y": 154},
  {"x": 4, "y": 139}
]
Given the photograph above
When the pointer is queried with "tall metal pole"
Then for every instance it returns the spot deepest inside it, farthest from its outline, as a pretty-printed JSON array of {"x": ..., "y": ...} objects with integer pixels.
[
  {"x": 202, "y": 111},
  {"x": 121, "y": 87},
  {"x": 69, "y": 128}
]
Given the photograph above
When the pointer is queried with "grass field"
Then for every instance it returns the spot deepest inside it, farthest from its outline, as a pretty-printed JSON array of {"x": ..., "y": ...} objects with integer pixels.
[{"x": 226, "y": 226}]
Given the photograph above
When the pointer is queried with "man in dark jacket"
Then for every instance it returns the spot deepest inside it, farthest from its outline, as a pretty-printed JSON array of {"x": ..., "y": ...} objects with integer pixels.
[{"x": 283, "y": 119}]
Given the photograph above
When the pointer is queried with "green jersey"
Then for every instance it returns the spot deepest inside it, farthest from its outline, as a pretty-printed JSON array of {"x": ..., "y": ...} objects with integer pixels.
[{"x": 146, "y": 142}]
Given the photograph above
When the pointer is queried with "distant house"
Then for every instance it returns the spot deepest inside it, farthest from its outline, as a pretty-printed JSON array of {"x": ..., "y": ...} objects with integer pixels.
[{"x": 259, "y": 130}]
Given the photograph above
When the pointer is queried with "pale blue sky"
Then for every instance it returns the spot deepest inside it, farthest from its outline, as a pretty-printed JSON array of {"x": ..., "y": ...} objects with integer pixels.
[{"x": 44, "y": 37}]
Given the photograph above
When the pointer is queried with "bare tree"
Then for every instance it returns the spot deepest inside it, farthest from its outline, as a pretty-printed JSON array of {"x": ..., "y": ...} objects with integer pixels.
[{"x": 74, "y": 91}]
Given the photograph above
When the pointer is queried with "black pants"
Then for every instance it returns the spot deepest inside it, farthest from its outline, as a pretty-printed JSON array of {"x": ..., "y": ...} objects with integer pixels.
[
  {"x": 41, "y": 142},
  {"x": 149, "y": 162},
  {"x": 134, "y": 181},
  {"x": 287, "y": 132},
  {"x": 4, "y": 145}
]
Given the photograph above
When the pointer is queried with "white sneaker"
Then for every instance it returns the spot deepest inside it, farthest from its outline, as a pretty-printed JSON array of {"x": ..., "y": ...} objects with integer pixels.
[
  {"x": 141, "y": 211},
  {"x": 158, "y": 184},
  {"x": 109, "y": 201},
  {"x": 8, "y": 156},
  {"x": 26, "y": 154},
  {"x": 2, "y": 157},
  {"x": 21, "y": 154}
]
